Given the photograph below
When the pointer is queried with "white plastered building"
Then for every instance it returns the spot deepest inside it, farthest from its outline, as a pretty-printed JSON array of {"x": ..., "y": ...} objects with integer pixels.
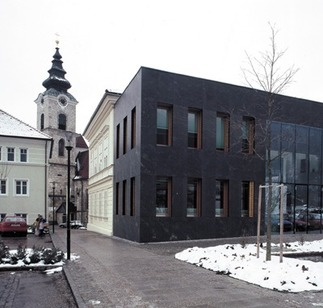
[
  {"x": 24, "y": 156},
  {"x": 99, "y": 134}
]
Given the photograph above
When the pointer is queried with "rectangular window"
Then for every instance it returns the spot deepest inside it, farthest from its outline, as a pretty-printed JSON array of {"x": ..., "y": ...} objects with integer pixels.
[
  {"x": 194, "y": 197},
  {"x": 11, "y": 154},
  {"x": 222, "y": 198},
  {"x": 117, "y": 198},
  {"x": 23, "y": 155},
  {"x": 3, "y": 187},
  {"x": 163, "y": 196},
  {"x": 194, "y": 123},
  {"x": 222, "y": 132},
  {"x": 125, "y": 135},
  {"x": 118, "y": 141},
  {"x": 132, "y": 196},
  {"x": 247, "y": 198},
  {"x": 124, "y": 196},
  {"x": 21, "y": 187},
  {"x": 164, "y": 125},
  {"x": 248, "y": 135},
  {"x": 133, "y": 128},
  {"x": 0, "y": 153}
]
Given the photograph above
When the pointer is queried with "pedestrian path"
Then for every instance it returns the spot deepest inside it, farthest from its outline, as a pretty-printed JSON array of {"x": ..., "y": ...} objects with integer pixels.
[{"x": 112, "y": 272}]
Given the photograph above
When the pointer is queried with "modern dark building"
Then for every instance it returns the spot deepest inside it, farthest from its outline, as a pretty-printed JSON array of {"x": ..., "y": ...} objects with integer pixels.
[{"x": 190, "y": 156}]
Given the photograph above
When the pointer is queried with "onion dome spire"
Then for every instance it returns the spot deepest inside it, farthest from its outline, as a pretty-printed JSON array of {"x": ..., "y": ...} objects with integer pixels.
[{"x": 56, "y": 79}]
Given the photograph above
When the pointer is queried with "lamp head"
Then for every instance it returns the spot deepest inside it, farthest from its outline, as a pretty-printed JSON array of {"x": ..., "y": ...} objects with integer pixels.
[{"x": 69, "y": 138}]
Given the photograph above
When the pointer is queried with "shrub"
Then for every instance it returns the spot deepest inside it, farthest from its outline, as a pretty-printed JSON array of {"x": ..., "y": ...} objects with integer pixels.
[
  {"x": 4, "y": 251},
  {"x": 35, "y": 256},
  {"x": 21, "y": 252},
  {"x": 52, "y": 256}
]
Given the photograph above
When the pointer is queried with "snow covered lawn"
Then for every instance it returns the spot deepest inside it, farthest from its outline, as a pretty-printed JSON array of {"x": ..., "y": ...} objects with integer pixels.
[{"x": 241, "y": 262}]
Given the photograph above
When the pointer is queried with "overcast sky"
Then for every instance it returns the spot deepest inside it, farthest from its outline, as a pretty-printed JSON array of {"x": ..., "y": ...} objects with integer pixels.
[{"x": 104, "y": 43}]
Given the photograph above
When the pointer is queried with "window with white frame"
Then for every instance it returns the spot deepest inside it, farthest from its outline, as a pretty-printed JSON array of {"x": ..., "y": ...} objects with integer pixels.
[
  {"x": 21, "y": 187},
  {"x": 105, "y": 152},
  {"x": 10, "y": 154},
  {"x": 23, "y": 155},
  {"x": 3, "y": 187}
]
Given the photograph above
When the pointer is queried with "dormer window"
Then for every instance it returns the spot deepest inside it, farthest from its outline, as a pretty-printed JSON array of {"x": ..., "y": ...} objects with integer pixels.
[{"x": 62, "y": 121}]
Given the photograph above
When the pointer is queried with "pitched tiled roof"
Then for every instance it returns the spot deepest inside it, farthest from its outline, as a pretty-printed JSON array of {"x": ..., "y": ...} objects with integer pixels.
[
  {"x": 80, "y": 142},
  {"x": 11, "y": 126},
  {"x": 82, "y": 166}
]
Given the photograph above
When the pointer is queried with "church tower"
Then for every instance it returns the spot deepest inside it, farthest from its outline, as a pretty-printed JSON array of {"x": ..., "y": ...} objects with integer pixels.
[{"x": 56, "y": 116}]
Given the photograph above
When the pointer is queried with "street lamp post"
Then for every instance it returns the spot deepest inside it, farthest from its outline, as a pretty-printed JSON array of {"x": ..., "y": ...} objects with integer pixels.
[
  {"x": 68, "y": 224},
  {"x": 53, "y": 207}
]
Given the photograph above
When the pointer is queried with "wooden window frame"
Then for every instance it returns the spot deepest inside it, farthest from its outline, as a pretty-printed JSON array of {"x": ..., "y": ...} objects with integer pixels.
[
  {"x": 197, "y": 197},
  {"x": 198, "y": 138},
  {"x": 224, "y": 198},
  {"x": 168, "y": 208},
  {"x": 169, "y": 130},
  {"x": 248, "y": 137},
  {"x": 226, "y": 132},
  {"x": 247, "y": 210}
]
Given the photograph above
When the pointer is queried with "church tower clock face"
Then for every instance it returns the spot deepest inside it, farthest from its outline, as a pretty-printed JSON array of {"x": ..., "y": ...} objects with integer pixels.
[{"x": 63, "y": 100}]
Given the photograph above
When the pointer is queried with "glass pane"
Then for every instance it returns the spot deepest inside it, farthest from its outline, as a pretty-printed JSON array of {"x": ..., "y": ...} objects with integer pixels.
[
  {"x": 192, "y": 197},
  {"x": 314, "y": 198},
  {"x": 301, "y": 168},
  {"x": 162, "y": 126},
  {"x": 287, "y": 153},
  {"x": 315, "y": 156},
  {"x": 162, "y": 119},
  {"x": 162, "y": 196},
  {"x": 245, "y": 199},
  {"x": 192, "y": 122},
  {"x": 220, "y": 133}
]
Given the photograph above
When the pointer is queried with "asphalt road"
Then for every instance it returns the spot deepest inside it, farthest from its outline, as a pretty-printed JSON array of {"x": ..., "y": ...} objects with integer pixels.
[{"x": 32, "y": 289}]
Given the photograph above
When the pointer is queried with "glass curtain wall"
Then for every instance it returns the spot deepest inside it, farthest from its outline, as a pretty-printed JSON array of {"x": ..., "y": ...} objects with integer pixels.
[{"x": 296, "y": 154}]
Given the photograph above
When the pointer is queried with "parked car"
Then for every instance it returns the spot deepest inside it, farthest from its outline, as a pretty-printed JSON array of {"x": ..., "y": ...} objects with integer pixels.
[
  {"x": 15, "y": 225},
  {"x": 275, "y": 223},
  {"x": 75, "y": 224},
  {"x": 300, "y": 225},
  {"x": 313, "y": 220}
]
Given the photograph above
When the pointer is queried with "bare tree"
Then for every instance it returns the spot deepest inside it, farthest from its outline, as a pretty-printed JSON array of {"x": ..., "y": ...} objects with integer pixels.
[{"x": 267, "y": 74}]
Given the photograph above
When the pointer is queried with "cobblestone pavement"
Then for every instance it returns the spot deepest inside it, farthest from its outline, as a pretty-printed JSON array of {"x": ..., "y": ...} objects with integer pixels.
[
  {"x": 33, "y": 288},
  {"x": 111, "y": 272}
]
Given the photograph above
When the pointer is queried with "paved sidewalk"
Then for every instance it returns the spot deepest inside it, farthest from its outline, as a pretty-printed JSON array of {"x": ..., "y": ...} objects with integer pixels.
[{"x": 112, "y": 272}]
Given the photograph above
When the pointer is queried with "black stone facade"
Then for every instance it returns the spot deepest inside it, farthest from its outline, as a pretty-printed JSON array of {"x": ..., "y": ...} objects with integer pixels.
[{"x": 147, "y": 160}]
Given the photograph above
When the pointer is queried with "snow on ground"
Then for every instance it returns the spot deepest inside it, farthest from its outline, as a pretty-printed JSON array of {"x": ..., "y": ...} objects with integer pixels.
[
  {"x": 25, "y": 262},
  {"x": 241, "y": 262}
]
